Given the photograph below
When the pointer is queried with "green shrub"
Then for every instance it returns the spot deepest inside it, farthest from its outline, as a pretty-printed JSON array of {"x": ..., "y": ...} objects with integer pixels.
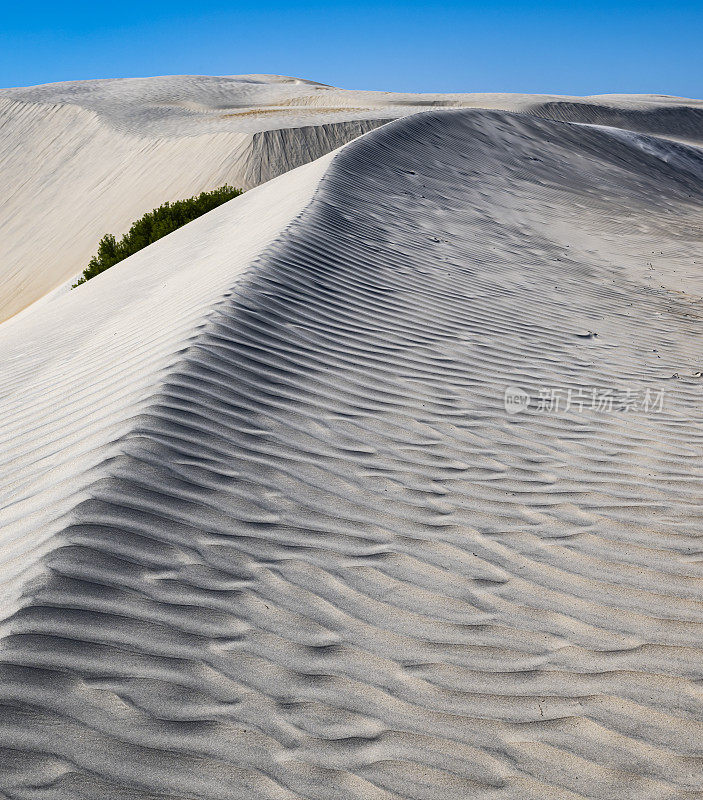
[{"x": 152, "y": 226}]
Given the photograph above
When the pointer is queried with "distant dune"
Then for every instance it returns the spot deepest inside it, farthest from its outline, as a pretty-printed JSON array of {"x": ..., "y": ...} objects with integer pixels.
[
  {"x": 89, "y": 157},
  {"x": 270, "y": 531}
]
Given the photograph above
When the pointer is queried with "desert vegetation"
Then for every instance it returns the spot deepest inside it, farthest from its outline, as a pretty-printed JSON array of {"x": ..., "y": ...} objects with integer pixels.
[{"x": 152, "y": 226}]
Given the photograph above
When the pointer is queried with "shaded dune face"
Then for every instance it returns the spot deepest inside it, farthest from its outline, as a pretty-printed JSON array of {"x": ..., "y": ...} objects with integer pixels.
[
  {"x": 676, "y": 122},
  {"x": 327, "y": 564}
]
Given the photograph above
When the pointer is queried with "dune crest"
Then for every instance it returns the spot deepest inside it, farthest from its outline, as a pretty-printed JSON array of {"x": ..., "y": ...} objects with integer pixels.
[
  {"x": 90, "y": 157},
  {"x": 302, "y": 550}
]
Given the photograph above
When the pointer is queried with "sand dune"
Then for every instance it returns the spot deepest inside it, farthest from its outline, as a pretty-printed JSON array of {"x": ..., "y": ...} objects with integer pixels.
[
  {"x": 271, "y": 533},
  {"x": 90, "y": 157}
]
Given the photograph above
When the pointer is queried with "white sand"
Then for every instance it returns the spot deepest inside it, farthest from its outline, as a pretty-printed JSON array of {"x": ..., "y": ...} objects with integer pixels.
[
  {"x": 85, "y": 158},
  {"x": 269, "y": 532}
]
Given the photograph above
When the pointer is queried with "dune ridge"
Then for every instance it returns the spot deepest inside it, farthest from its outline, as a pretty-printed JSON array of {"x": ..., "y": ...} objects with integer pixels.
[
  {"x": 76, "y": 372},
  {"x": 90, "y": 157},
  {"x": 312, "y": 555}
]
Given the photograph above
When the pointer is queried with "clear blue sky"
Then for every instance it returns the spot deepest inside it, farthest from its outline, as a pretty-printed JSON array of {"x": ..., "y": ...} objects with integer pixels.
[{"x": 559, "y": 47}]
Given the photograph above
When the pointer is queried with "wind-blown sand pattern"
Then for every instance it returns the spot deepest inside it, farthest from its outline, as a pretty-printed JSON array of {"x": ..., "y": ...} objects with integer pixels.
[
  {"x": 271, "y": 534},
  {"x": 90, "y": 157}
]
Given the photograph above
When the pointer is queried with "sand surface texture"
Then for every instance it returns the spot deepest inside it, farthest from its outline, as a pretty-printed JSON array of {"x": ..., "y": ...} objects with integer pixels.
[{"x": 270, "y": 533}]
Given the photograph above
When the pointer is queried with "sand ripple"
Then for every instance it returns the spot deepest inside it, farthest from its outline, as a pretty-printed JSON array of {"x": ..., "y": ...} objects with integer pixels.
[{"x": 317, "y": 558}]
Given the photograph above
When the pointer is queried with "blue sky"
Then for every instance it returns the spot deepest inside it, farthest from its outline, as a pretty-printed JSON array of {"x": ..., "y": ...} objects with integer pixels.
[{"x": 560, "y": 47}]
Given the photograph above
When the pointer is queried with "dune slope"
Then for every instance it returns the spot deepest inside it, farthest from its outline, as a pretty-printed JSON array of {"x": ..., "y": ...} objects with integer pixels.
[
  {"x": 84, "y": 158},
  {"x": 284, "y": 540},
  {"x": 72, "y": 178}
]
